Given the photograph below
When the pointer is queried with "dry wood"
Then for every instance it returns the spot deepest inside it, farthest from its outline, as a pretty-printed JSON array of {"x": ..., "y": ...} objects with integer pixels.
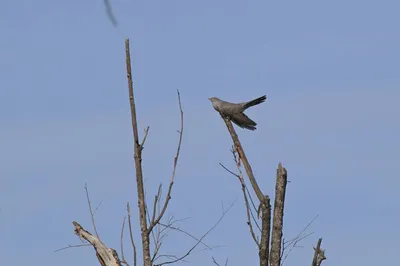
[
  {"x": 319, "y": 254},
  {"x": 265, "y": 206},
  {"x": 106, "y": 256},
  {"x": 277, "y": 227}
]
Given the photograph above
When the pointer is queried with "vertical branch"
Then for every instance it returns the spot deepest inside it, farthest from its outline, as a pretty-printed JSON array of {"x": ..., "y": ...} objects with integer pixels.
[
  {"x": 265, "y": 232},
  {"x": 277, "y": 227},
  {"x": 138, "y": 162},
  {"x": 128, "y": 208},
  {"x": 319, "y": 254}
]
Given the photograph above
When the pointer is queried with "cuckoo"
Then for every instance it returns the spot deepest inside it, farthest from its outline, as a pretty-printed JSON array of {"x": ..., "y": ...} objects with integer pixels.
[{"x": 234, "y": 111}]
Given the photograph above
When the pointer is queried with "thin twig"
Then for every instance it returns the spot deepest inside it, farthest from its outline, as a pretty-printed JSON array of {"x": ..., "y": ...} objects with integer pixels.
[
  {"x": 293, "y": 243},
  {"x": 72, "y": 246},
  {"x": 122, "y": 243},
  {"x": 90, "y": 210},
  {"x": 146, "y": 132},
  {"x": 98, "y": 206},
  {"x": 229, "y": 171},
  {"x": 186, "y": 233},
  {"x": 130, "y": 233},
  {"x": 216, "y": 263},
  {"x": 156, "y": 199},
  {"x": 168, "y": 197},
  {"x": 248, "y": 210}
]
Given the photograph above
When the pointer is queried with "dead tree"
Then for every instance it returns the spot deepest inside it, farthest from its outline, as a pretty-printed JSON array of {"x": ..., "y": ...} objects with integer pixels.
[
  {"x": 153, "y": 230},
  {"x": 267, "y": 255}
]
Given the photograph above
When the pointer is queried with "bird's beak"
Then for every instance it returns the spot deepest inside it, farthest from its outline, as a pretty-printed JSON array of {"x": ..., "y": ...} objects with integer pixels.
[{"x": 209, "y": 99}]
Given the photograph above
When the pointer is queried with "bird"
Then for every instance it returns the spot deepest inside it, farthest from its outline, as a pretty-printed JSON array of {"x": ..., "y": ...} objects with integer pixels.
[{"x": 234, "y": 111}]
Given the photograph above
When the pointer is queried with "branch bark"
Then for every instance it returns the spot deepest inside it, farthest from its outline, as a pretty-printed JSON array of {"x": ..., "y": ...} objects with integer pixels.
[
  {"x": 265, "y": 206},
  {"x": 106, "y": 256},
  {"x": 138, "y": 162},
  {"x": 277, "y": 227},
  {"x": 319, "y": 254}
]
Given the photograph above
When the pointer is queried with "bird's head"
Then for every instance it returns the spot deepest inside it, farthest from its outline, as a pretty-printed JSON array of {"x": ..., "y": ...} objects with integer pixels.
[
  {"x": 213, "y": 99},
  {"x": 215, "y": 102}
]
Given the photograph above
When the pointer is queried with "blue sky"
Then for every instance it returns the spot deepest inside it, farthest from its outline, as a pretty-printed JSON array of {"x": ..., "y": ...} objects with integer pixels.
[{"x": 330, "y": 70}]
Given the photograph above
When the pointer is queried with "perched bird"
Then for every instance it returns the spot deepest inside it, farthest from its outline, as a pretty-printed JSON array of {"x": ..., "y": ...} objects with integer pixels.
[{"x": 234, "y": 111}]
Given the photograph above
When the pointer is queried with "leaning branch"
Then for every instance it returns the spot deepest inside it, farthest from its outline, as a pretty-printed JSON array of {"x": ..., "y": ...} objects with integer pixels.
[
  {"x": 106, "y": 256},
  {"x": 243, "y": 157},
  {"x": 265, "y": 206}
]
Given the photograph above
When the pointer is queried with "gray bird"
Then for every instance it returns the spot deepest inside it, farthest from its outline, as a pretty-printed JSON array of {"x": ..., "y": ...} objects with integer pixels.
[{"x": 234, "y": 111}]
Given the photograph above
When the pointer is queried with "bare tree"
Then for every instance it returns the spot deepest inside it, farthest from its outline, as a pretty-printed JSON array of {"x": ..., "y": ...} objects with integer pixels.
[
  {"x": 269, "y": 241},
  {"x": 153, "y": 230},
  {"x": 265, "y": 235}
]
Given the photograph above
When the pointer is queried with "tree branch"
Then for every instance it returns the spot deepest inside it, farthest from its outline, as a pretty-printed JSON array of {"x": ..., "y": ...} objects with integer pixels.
[
  {"x": 319, "y": 254},
  {"x": 106, "y": 256},
  {"x": 128, "y": 208},
  {"x": 277, "y": 227},
  {"x": 122, "y": 243},
  {"x": 265, "y": 206},
  {"x": 90, "y": 210},
  {"x": 243, "y": 157},
  {"x": 138, "y": 162},
  {"x": 171, "y": 183}
]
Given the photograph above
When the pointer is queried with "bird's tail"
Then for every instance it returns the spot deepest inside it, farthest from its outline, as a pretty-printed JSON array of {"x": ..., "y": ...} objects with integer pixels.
[{"x": 255, "y": 102}]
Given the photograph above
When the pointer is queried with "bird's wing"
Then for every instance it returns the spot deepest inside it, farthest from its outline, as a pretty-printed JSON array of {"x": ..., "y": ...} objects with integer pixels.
[{"x": 243, "y": 121}]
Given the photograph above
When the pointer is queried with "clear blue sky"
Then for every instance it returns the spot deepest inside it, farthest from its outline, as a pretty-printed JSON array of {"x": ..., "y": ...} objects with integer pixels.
[{"x": 331, "y": 73}]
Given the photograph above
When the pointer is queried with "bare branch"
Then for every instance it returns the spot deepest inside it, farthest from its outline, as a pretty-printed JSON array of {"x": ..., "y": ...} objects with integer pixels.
[
  {"x": 122, "y": 244},
  {"x": 106, "y": 256},
  {"x": 138, "y": 162},
  {"x": 171, "y": 183},
  {"x": 90, "y": 210},
  {"x": 72, "y": 246},
  {"x": 229, "y": 171},
  {"x": 186, "y": 233},
  {"x": 156, "y": 199},
  {"x": 216, "y": 263},
  {"x": 198, "y": 242},
  {"x": 98, "y": 206},
  {"x": 265, "y": 206},
  {"x": 130, "y": 233},
  {"x": 146, "y": 132},
  {"x": 243, "y": 157},
  {"x": 319, "y": 254},
  {"x": 246, "y": 201},
  {"x": 277, "y": 228}
]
